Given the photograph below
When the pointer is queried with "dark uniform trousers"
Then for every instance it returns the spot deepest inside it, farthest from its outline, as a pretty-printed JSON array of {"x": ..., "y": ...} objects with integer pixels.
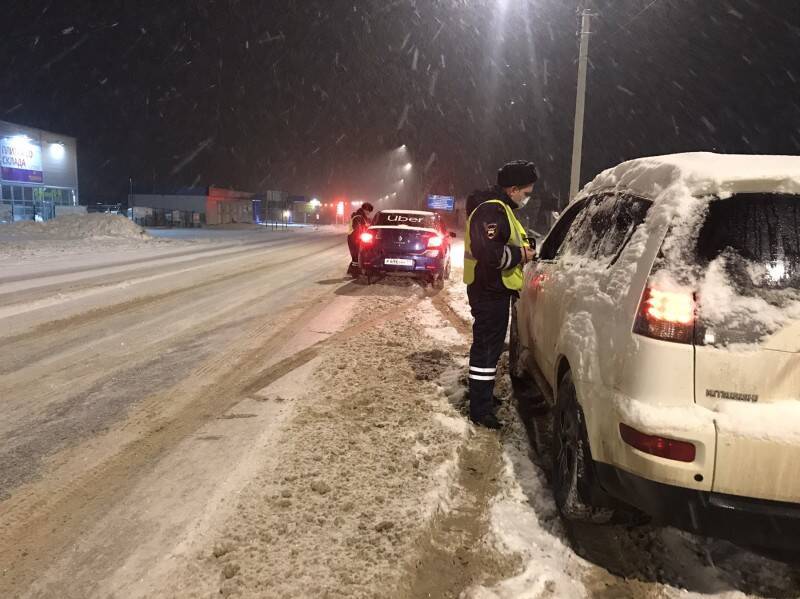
[
  {"x": 352, "y": 243},
  {"x": 488, "y": 338}
]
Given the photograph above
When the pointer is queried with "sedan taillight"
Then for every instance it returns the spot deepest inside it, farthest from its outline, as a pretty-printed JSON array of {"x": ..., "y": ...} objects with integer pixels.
[{"x": 435, "y": 241}]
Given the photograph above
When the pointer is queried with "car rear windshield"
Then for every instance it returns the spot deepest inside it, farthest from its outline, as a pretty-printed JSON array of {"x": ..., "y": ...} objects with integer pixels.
[
  {"x": 759, "y": 237},
  {"x": 410, "y": 220}
]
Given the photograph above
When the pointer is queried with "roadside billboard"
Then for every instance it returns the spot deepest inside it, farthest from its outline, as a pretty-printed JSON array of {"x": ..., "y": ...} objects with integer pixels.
[{"x": 21, "y": 159}]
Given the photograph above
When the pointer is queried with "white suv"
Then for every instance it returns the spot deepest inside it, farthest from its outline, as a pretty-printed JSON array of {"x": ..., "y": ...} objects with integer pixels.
[{"x": 662, "y": 321}]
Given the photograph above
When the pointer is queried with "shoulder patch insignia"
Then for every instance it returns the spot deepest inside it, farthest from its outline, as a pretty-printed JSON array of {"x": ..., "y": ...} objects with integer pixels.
[{"x": 491, "y": 230}]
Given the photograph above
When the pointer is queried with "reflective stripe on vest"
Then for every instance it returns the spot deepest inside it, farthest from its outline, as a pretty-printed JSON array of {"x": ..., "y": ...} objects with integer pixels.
[{"x": 512, "y": 277}]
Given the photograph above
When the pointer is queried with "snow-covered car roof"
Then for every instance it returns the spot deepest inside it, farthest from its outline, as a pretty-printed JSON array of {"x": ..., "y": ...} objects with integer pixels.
[{"x": 701, "y": 174}]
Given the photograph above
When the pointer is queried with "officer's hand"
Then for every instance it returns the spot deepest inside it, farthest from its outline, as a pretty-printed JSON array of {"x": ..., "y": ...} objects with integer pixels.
[{"x": 528, "y": 254}]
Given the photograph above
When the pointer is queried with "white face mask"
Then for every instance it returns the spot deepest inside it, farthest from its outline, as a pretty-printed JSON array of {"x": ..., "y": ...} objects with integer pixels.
[{"x": 525, "y": 199}]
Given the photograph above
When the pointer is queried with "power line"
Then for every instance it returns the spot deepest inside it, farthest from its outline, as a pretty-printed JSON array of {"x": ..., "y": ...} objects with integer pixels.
[
  {"x": 639, "y": 14},
  {"x": 631, "y": 20}
]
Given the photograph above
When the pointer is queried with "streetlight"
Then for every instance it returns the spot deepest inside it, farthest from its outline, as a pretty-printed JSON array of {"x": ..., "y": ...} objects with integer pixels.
[
  {"x": 57, "y": 150},
  {"x": 407, "y": 166}
]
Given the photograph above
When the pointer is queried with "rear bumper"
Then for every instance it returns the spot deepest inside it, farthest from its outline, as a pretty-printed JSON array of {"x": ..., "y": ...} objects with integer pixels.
[
  {"x": 421, "y": 264},
  {"x": 743, "y": 520}
]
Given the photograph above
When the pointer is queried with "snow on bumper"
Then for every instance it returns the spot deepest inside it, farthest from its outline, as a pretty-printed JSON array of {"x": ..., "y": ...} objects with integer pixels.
[{"x": 691, "y": 423}]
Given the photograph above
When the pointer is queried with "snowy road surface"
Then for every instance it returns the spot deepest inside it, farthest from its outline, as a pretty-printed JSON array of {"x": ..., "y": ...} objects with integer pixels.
[{"x": 228, "y": 415}]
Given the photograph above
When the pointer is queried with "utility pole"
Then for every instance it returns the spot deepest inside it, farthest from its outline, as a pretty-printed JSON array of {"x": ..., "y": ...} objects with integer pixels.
[{"x": 580, "y": 101}]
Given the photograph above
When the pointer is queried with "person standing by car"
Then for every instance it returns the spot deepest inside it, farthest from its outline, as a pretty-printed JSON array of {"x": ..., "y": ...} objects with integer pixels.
[
  {"x": 359, "y": 221},
  {"x": 495, "y": 250}
]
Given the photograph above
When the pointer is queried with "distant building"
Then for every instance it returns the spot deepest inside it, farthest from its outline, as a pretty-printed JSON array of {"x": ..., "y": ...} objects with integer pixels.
[
  {"x": 197, "y": 207},
  {"x": 38, "y": 173}
]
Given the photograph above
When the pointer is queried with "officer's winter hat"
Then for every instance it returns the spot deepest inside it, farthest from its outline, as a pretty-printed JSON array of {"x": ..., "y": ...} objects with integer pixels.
[{"x": 517, "y": 174}]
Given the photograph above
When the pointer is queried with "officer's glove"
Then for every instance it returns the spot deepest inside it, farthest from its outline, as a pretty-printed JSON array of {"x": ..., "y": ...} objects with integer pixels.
[{"x": 528, "y": 254}]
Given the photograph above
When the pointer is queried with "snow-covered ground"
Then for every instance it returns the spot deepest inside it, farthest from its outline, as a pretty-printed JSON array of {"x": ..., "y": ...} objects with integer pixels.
[{"x": 225, "y": 414}]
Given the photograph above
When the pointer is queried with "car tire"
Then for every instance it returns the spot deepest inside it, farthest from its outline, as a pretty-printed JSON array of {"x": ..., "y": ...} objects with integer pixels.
[
  {"x": 572, "y": 473},
  {"x": 446, "y": 274},
  {"x": 438, "y": 281}
]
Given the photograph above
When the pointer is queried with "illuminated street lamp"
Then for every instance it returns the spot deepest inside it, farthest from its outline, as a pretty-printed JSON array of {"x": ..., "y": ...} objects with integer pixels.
[
  {"x": 57, "y": 150},
  {"x": 407, "y": 166}
]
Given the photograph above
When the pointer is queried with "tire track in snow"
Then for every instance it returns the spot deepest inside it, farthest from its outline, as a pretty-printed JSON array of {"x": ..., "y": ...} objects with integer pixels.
[
  {"x": 30, "y": 538},
  {"x": 24, "y": 306},
  {"x": 456, "y": 553},
  {"x": 201, "y": 252}
]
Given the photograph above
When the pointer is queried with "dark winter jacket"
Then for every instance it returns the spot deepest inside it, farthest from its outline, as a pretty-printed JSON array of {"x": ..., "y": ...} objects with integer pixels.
[
  {"x": 359, "y": 221},
  {"x": 489, "y": 232}
]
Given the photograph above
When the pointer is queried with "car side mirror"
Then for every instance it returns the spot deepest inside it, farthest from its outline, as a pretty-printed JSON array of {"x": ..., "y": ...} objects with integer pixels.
[{"x": 452, "y": 234}]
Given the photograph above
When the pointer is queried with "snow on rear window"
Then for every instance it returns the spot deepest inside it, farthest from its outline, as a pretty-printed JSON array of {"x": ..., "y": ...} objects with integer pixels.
[{"x": 741, "y": 254}]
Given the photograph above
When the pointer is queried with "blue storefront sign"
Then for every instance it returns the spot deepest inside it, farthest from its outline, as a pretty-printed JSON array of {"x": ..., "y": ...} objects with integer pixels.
[{"x": 444, "y": 203}]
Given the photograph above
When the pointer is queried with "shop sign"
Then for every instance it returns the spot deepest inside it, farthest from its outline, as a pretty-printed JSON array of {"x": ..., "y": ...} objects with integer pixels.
[{"x": 21, "y": 159}]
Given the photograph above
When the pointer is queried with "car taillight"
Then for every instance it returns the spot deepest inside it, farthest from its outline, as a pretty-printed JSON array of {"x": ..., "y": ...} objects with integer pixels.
[
  {"x": 666, "y": 315},
  {"x": 366, "y": 238},
  {"x": 662, "y": 447},
  {"x": 436, "y": 241}
]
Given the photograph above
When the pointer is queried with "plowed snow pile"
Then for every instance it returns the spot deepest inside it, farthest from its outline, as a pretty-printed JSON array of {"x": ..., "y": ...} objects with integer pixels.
[{"x": 74, "y": 226}]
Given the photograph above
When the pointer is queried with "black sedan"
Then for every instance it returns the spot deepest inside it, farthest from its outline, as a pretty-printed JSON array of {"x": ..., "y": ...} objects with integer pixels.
[{"x": 409, "y": 242}]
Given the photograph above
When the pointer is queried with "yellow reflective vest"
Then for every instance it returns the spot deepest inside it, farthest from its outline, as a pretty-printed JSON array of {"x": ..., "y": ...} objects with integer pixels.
[
  {"x": 350, "y": 226},
  {"x": 512, "y": 277}
]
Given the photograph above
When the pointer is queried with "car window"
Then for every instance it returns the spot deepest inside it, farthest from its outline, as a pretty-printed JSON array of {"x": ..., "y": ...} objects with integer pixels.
[
  {"x": 605, "y": 226},
  {"x": 555, "y": 238},
  {"x": 760, "y": 236}
]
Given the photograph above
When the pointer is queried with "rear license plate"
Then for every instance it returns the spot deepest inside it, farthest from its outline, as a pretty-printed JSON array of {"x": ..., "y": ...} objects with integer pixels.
[{"x": 398, "y": 262}]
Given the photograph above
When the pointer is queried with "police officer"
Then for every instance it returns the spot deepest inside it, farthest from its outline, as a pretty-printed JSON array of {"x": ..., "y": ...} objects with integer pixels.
[
  {"x": 495, "y": 250},
  {"x": 359, "y": 221}
]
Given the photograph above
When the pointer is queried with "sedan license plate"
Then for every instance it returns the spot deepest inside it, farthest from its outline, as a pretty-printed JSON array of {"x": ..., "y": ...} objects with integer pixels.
[{"x": 398, "y": 262}]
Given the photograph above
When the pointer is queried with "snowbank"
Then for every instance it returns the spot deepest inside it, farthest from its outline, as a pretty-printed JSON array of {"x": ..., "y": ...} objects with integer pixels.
[
  {"x": 430, "y": 319},
  {"x": 525, "y": 521},
  {"x": 74, "y": 226}
]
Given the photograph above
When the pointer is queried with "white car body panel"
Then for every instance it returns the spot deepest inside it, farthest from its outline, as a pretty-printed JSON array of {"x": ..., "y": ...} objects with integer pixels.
[{"x": 569, "y": 311}]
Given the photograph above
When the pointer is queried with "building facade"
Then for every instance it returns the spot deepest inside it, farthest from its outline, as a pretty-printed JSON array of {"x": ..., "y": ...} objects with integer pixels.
[
  {"x": 205, "y": 206},
  {"x": 38, "y": 174}
]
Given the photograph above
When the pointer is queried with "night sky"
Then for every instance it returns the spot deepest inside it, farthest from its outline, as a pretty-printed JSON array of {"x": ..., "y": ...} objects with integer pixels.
[{"x": 310, "y": 96}]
